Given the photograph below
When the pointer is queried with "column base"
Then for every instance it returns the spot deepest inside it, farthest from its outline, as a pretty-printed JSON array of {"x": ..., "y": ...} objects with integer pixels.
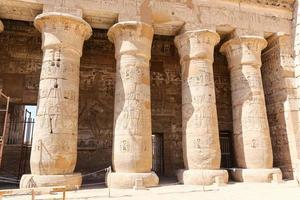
[
  {"x": 256, "y": 175},
  {"x": 71, "y": 181},
  {"x": 202, "y": 176},
  {"x": 297, "y": 173},
  {"x": 129, "y": 180}
]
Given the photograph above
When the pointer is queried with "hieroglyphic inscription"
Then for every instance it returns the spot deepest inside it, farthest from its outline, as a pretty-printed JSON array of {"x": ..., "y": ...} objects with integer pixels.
[
  {"x": 279, "y": 102},
  {"x": 251, "y": 129},
  {"x": 199, "y": 117}
]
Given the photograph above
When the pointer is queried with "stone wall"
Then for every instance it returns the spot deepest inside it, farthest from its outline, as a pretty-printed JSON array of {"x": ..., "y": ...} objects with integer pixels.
[
  {"x": 20, "y": 62},
  {"x": 281, "y": 101}
]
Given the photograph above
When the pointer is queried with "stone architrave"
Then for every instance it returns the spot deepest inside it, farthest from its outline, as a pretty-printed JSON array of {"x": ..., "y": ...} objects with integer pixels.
[
  {"x": 251, "y": 137},
  {"x": 132, "y": 144},
  {"x": 54, "y": 147},
  {"x": 200, "y": 133}
]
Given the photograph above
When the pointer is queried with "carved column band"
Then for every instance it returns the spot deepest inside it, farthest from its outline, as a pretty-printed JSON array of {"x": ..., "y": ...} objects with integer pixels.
[
  {"x": 201, "y": 147},
  {"x": 132, "y": 144},
  {"x": 251, "y": 137},
  {"x": 54, "y": 147}
]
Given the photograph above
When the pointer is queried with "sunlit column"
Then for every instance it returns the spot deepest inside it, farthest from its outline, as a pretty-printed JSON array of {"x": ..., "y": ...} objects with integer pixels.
[
  {"x": 200, "y": 133},
  {"x": 132, "y": 144},
  {"x": 251, "y": 137},
  {"x": 54, "y": 147}
]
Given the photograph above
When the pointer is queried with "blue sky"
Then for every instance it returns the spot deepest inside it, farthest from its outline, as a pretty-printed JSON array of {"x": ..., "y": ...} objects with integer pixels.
[{"x": 31, "y": 109}]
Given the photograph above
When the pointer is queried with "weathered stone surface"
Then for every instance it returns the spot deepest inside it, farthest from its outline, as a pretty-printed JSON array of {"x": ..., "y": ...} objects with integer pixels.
[
  {"x": 70, "y": 181},
  {"x": 20, "y": 65},
  {"x": 201, "y": 145},
  {"x": 128, "y": 180},
  {"x": 252, "y": 143},
  {"x": 1, "y": 27},
  {"x": 21, "y": 57},
  {"x": 202, "y": 176},
  {"x": 296, "y": 56},
  {"x": 257, "y": 175},
  {"x": 168, "y": 16},
  {"x": 54, "y": 146},
  {"x": 132, "y": 144},
  {"x": 281, "y": 101},
  {"x": 251, "y": 130}
]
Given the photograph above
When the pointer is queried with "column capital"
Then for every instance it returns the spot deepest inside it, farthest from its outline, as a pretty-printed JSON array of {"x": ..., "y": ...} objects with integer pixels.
[
  {"x": 1, "y": 26},
  {"x": 244, "y": 50},
  {"x": 63, "y": 30},
  {"x": 197, "y": 44},
  {"x": 138, "y": 35}
]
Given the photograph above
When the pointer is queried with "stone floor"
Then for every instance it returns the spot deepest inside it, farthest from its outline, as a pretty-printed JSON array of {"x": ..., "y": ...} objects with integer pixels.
[{"x": 233, "y": 191}]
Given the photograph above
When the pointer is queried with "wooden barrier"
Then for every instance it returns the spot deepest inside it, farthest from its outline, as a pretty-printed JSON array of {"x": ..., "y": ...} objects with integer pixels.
[{"x": 34, "y": 191}]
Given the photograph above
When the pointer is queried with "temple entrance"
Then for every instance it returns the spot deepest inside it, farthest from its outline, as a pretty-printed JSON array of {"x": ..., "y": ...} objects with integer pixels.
[
  {"x": 158, "y": 153},
  {"x": 26, "y": 139},
  {"x": 226, "y": 150}
]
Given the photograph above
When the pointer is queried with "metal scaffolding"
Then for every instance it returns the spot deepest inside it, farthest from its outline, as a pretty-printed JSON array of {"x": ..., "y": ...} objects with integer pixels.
[{"x": 5, "y": 111}]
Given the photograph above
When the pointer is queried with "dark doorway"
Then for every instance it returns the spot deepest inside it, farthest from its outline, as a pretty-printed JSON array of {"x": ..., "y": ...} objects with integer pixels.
[
  {"x": 226, "y": 150},
  {"x": 158, "y": 153},
  {"x": 26, "y": 138}
]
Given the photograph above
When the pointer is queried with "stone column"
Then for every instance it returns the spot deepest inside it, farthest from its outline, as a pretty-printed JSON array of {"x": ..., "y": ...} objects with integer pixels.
[
  {"x": 251, "y": 137},
  {"x": 132, "y": 144},
  {"x": 54, "y": 147},
  {"x": 296, "y": 46},
  {"x": 1, "y": 26},
  {"x": 200, "y": 133}
]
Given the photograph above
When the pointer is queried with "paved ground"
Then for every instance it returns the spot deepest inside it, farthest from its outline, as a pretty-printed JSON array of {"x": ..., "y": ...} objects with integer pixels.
[{"x": 171, "y": 191}]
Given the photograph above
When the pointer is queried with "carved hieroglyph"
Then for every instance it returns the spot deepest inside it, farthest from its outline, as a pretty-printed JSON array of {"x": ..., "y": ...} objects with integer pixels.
[
  {"x": 280, "y": 87},
  {"x": 54, "y": 147},
  {"x": 296, "y": 46},
  {"x": 132, "y": 145},
  {"x": 252, "y": 143},
  {"x": 251, "y": 135},
  {"x": 201, "y": 147}
]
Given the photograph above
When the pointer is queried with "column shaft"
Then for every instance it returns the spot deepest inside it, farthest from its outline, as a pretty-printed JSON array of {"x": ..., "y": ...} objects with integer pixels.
[
  {"x": 132, "y": 143},
  {"x": 296, "y": 46},
  {"x": 54, "y": 146},
  {"x": 251, "y": 130},
  {"x": 201, "y": 145},
  {"x": 251, "y": 137}
]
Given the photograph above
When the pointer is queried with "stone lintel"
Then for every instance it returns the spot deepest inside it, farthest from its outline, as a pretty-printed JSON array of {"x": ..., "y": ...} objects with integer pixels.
[
  {"x": 141, "y": 13},
  {"x": 244, "y": 50},
  {"x": 190, "y": 26},
  {"x": 63, "y": 9},
  {"x": 197, "y": 44},
  {"x": 240, "y": 32}
]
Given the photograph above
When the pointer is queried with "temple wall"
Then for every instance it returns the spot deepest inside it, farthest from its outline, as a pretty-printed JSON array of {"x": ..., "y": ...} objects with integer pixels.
[
  {"x": 20, "y": 64},
  {"x": 281, "y": 102}
]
